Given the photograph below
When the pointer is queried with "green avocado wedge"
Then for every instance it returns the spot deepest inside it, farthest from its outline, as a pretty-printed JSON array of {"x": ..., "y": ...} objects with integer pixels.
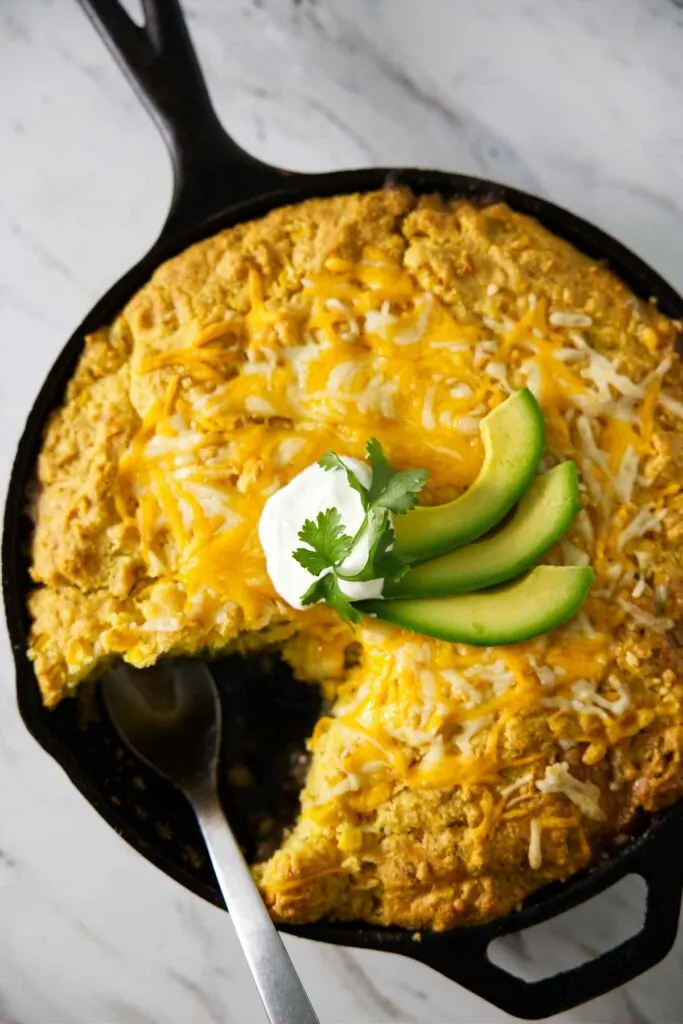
[
  {"x": 534, "y": 604},
  {"x": 513, "y": 436},
  {"x": 543, "y": 515}
]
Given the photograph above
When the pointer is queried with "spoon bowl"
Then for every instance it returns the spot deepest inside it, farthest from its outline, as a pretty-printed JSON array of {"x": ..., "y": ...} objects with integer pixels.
[{"x": 170, "y": 717}]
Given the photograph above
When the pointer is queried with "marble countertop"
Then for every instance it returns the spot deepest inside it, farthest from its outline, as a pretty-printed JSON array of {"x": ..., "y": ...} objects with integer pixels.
[{"x": 578, "y": 102}]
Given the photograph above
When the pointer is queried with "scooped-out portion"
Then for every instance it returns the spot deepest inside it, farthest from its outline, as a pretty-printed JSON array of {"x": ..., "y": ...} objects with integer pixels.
[{"x": 447, "y": 781}]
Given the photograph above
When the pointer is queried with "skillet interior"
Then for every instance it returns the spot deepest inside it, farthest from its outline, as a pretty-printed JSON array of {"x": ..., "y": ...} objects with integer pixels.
[
  {"x": 83, "y": 742},
  {"x": 129, "y": 798}
]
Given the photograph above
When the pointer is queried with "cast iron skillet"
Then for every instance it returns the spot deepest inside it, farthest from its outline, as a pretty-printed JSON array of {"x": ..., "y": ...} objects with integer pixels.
[{"x": 216, "y": 185}]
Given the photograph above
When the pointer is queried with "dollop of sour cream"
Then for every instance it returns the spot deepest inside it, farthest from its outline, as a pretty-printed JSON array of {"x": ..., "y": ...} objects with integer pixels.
[{"x": 312, "y": 491}]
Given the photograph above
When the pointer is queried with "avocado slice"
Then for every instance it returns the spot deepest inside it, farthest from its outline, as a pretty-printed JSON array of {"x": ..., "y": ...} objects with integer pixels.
[
  {"x": 534, "y": 604},
  {"x": 513, "y": 437},
  {"x": 543, "y": 515}
]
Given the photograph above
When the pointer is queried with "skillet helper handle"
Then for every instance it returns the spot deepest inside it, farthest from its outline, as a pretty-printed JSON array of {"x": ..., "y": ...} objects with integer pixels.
[
  {"x": 280, "y": 988},
  {"x": 660, "y": 865},
  {"x": 210, "y": 170}
]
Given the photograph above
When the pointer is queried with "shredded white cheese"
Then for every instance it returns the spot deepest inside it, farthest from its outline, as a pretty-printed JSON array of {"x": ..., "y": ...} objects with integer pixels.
[
  {"x": 658, "y": 624},
  {"x": 428, "y": 421},
  {"x": 545, "y": 675},
  {"x": 628, "y": 474},
  {"x": 532, "y": 372},
  {"x": 519, "y": 783},
  {"x": 583, "y": 425},
  {"x": 468, "y": 730},
  {"x": 163, "y": 624},
  {"x": 671, "y": 405},
  {"x": 379, "y": 321},
  {"x": 435, "y": 753},
  {"x": 573, "y": 555},
  {"x": 585, "y": 700},
  {"x": 411, "y": 336},
  {"x": 661, "y": 592},
  {"x": 498, "y": 371},
  {"x": 535, "y": 851},
  {"x": 645, "y": 521},
  {"x": 585, "y": 795},
  {"x": 461, "y": 688},
  {"x": 288, "y": 449},
  {"x": 350, "y": 784},
  {"x": 563, "y": 319},
  {"x": 337, "y": 305},
  {"x": 497, "y": 326}
]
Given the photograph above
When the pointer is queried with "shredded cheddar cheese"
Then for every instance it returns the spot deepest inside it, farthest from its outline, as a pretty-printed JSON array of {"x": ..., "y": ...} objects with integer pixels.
[{"x": 240, "y": 364}]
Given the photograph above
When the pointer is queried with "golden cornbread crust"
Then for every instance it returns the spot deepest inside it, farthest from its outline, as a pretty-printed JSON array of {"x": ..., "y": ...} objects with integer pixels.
[{"x": 447, "y": 782}]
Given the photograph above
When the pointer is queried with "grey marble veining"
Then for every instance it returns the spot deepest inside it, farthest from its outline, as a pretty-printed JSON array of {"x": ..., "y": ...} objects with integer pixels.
[{"x": 579, "y": 102}]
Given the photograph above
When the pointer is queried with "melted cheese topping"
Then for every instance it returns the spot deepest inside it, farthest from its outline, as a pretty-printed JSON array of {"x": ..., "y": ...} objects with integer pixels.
[
  {"x": 362, "y": 350},
  {"x": 399, "y": 348},
  {"x": 202, "y": 466}
]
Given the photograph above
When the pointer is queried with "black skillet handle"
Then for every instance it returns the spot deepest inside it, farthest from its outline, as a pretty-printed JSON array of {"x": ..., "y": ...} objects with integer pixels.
[
  {"x": 210, "y": 170},
  {"x": 660, "y": 864}
]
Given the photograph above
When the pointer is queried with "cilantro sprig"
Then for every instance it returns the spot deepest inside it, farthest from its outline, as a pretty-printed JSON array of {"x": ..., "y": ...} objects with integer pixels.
[{"x": 329, "y": 545}]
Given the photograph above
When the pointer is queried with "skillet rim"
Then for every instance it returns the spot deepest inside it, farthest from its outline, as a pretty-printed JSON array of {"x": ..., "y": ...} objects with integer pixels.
[{"x": 642, "y": 279}]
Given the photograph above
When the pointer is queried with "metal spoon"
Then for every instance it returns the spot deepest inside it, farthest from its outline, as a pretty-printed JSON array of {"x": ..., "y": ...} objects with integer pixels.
[{"x": 170, "y": 717}]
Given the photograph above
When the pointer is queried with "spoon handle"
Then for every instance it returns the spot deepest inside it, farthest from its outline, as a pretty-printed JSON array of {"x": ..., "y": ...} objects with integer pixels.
[{"x": 279, "y": 986}]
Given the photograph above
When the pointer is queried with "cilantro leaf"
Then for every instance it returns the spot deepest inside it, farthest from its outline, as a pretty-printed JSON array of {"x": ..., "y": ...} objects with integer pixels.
[
  {"x": 382, "y": 562},
  {"x": 327, "y": 538},
  {"x": 395, "y": 490},
  {"x": 311, "y": 560},
  {"x": 330, "y": 460},
  {"x": 339, "y": 601},
  {"x": 381, "y": 469},
  {"x": 315, "y": 593},
  {"x": 386, "y": 563},
  {"x": 329, "y": 545},
  {"x": 400, "y": 494},
  {"x": 327, "y": 589}
]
